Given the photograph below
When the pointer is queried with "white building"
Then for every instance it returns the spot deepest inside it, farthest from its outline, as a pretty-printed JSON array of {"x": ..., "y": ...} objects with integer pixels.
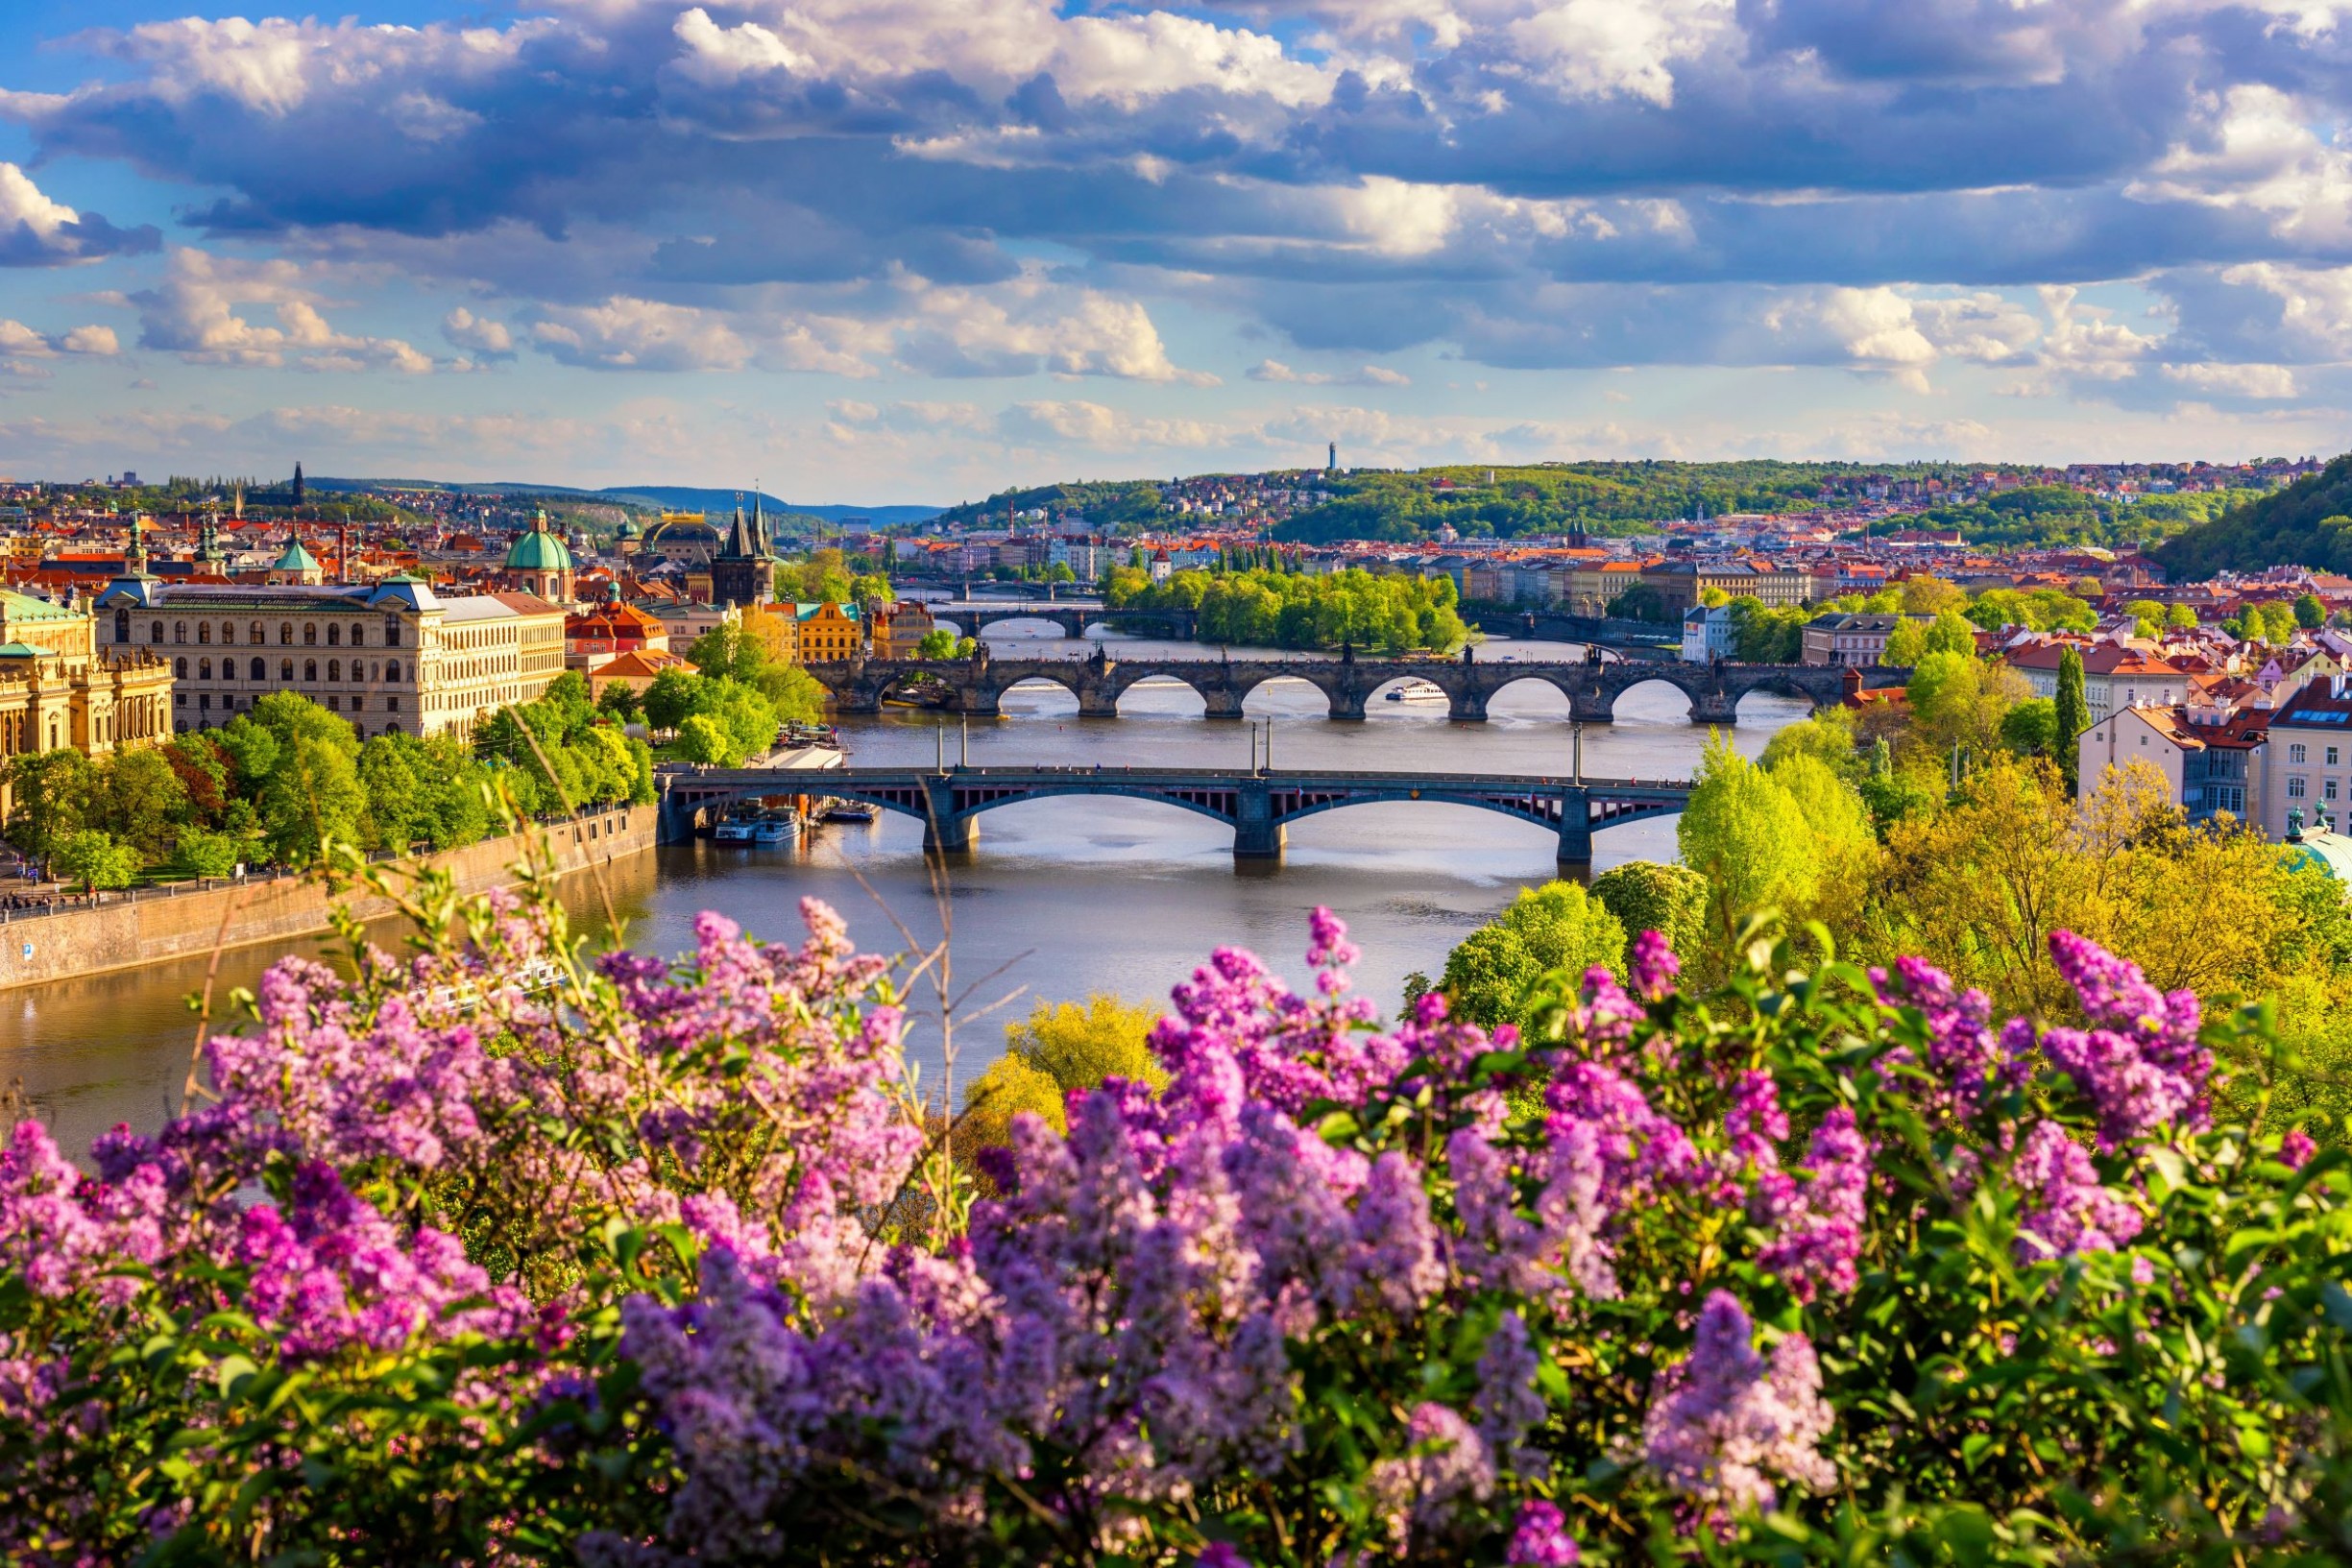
[{"x": 1707, "y": 633}]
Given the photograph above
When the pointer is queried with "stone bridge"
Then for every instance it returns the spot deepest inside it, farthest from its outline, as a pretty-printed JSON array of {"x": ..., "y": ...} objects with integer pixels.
[
  {"x": 1591, "y": 685},
  {"x": 970, "y": 617},
  {"x": 1259, "y": 806}
]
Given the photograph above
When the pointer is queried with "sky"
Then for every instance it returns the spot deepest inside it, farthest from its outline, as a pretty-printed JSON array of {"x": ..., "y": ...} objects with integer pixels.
[{"x": 915, "y": 251}]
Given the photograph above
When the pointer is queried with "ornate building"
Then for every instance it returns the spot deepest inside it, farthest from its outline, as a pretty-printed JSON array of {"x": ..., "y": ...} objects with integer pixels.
[
  {"x": 540, "y": 563},
  {"x": 56, "y": 689},
  {"x": 743, "y": 572}
]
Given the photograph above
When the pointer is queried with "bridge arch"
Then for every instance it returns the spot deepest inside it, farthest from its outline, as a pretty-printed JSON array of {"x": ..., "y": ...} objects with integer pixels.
[
  {"x": 1555, "y": 681},
  {"x": 1650, "y": 676}
]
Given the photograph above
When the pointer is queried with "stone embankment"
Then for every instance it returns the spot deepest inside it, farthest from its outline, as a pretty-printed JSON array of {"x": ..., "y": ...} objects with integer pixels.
[{"x": 127, "y": 930}]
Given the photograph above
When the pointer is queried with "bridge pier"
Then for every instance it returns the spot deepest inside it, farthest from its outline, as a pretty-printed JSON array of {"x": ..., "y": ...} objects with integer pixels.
[
  {"x": 1222, "y": 702},
  {"x": 1257, "y": 834},
  {"x": 945, "y": 830},
  {"x": 1591, "y": 709},
  {"x": 1347, "y": 705},
  {"x": 1095, "y": 703},
  {"x": 1714, "y": 708},
  {"x": 1467, "y": 707},
  {"x": 1575, "y": 855}
]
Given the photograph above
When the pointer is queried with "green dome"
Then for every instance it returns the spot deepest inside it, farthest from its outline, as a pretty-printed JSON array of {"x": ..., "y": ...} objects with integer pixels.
[
  {"x": 297, "y": 559},
  {"x": 538, "y": 551}
]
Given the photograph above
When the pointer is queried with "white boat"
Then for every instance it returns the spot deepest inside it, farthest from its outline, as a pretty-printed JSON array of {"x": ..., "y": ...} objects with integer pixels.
[
  {"x": 776, "y": 827},
  {"x": 735, "y": 831},
  {"x": 1416, "y": 691},
  {"x": 857, "y": 811}
]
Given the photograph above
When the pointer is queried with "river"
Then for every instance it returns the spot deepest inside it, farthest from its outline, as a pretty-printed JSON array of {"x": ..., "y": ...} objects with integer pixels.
[{"x": 1061, "y": 897}]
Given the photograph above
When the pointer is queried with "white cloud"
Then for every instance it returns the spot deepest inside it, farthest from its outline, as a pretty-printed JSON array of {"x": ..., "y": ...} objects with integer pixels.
[
  {"x": 477, "y": 334},
  {"x": 96, "y": 341},
  {"x": 1367, "y": 375},
  {"x": 1030, "y": 325},
  {"x": 2260, "y": 382},
  {"x": 194, "y": 313},
  {"x": 1103, "y": 428}
]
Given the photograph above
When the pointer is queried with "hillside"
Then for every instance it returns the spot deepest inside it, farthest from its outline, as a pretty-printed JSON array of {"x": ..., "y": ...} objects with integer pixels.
[{"x": 2309, "y": 523}]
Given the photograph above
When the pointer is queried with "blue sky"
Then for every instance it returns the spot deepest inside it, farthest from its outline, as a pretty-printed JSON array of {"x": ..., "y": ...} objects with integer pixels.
[{"x": 915, "y": 250}]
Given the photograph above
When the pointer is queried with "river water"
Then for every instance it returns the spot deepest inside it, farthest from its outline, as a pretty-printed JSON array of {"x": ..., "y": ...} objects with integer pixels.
[{"x": 1061, "y": 897}]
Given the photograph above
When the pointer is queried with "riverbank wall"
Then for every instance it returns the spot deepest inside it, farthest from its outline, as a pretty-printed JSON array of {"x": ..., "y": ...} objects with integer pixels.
[{"x": 131, "y": 929}]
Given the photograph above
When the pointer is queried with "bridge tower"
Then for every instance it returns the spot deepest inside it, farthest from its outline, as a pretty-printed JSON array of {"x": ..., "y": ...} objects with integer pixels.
[{"x": 1575, "y": 855}]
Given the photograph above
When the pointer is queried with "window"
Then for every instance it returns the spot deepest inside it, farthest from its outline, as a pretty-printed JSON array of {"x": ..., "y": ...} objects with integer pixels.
[
  {"x": 285, "y": 670},
  {"x": 122, "y": 625},
  {"x": 180, "y": 631},
  {"x": 2327, "y": 789},
  {"x": 359, "y": 636},
  {"x": 180, "y": 669},
  {"x": 155, "y": 631},
  {"x": 335, "y": 670},
  {"x": 204, "y": 631},
  {"x": 228, "y": 631},
  {"x": 255, "y": 635},
  {"x": 392, "y": 705},
  {"x": 260, "y": 669},
  {"x": 334, "y": 636},
  {"x": 310, "y": 669},
  {"x": 204, "y": 699},
  {"x": 179, "y": 699},
  {"x": 392, "y": 632},
  {"x": 310, "y": 634},
  {"x": 2332, "y": 755},
  {"x": 335, "y": 704},
  {"x": 2297, "y": 752},
  {"x": 286, "y": 631},
  {"x": 2296, "y": 789},
  {"x": 392, "y": 669},
  {"x": 203, "y": 671}
]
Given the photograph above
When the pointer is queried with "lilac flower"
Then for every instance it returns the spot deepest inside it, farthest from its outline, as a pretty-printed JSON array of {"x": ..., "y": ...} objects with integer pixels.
[
  {"x": 2065, "y": 1210},
  {"x": 1446, "y": 1465},
  {"x": 1817, "y": 1223},
  {"x": 1508, "y": 1405},
  {"x": 2296, "y": 1148},
  {"x": 1964, "y": 1056},
  {"x": 1220, "y": 1555},
  {"x": 1725, "y": 1424},
  {"x": 1652, "y": 966},
  {"x": 2139, "y": 1063},
  {"x": 1539, "y": 1537},
  {"x": 1754, "y": 1122}
]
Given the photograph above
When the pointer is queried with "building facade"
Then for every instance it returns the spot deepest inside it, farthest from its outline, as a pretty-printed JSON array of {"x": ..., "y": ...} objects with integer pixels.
[
  {"x": 1855, "y": 641},
  {"x": 392, "y": 659},
  {"x": 60, "y": 689}
]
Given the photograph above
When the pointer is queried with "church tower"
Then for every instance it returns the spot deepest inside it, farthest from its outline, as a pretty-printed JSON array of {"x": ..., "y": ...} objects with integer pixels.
[{"x": 742, "y": 572}]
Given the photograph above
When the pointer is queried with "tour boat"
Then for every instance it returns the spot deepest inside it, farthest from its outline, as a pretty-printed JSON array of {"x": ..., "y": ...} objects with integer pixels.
[
  {"x": 1416, "y": 691},
  {"x": 776, "y": 827},
  {"x": 857, "y": 811}
]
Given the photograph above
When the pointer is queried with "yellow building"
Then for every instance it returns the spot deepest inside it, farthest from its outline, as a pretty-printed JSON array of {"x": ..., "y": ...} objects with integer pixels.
[
  {"x": 58, "y": 691},
  {"x": 776, "y": 627},
  {"x": 829, "y": 631},
  {"x": 899, "y": 629}
]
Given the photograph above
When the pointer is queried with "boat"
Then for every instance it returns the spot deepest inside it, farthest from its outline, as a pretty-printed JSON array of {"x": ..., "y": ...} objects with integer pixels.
[
  {"x": 1416, "y": 691},
  {"x": 733, "y": 830},
  {"x": 851, "y": 811},
  {"x": 775, "y": 827}
]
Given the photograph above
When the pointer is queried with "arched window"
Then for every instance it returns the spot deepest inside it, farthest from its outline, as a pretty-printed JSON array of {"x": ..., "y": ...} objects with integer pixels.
[
  {"x": 204, "y": 631},
  {"x": 310, "y": 634},
  {"x": 392, "y": 671},
  {"x": 334, "y": 636},
  {"x": 228, "y": 631},
  {"x": 285, "y": 670},
  {"x": 286, "y": 631},
  {"x": 180, "y": 631},
  {"x": 180, "y": 669},
  {"x": 310, "y": 669},
  {"x": 260, "y": 669},
  {"x": 155, "y": 631},
  {"x": 122, "y": 625},
  {"x": 203, "y": 669},
  {"x": 335, "y": 670},
  {"x": 392, "y": 632},
  {"x": 255, "y": 635},
  {"x": 359, "y": 636}
]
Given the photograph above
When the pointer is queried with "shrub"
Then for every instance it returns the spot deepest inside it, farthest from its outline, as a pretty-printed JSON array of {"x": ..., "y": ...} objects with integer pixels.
[{"x": 1833, "y": 1265}]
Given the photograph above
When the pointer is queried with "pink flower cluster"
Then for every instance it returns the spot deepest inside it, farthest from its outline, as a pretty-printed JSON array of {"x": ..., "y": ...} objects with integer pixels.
[{"x": 1727, "y": 1423}]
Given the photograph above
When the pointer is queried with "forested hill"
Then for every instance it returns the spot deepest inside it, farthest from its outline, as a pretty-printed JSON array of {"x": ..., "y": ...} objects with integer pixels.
[{"x": 2309, "y": 523}]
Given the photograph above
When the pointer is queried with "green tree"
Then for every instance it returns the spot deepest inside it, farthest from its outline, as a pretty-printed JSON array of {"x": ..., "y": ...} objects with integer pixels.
[
  {"x": 2071, "y": 715},
  {"x": 201, "y": 853},
  {"x": 2308, "y": 613},
  {"x": 703, "y": 739},
  {"x": 1828, "y": 736},
  {"x": 1651, "y": 896},
  {"x": 56, "y": 796},
  {"x": 938, "y": 644},
  {"x": 1556, "y": 927},
  {"x": 727, "y": 650},
  {"x": 312, "y": 797},
  {"x": 2181, "y": 616},
  {"x": 1746, "y": 837},
  {"x": 1931, "y": 596},
  {"x": 1906, "y": 644},
  {"x": 92, "y": 858},
  {"x": 2031, "y": 729},
  {"x": 1948, "y": 633},
  {"x": 2149, "y": 614},
  {"x": 142, "y": 800},
  {"x": 620, "y": 702},
  {"x": 398, "y": 802},
  {"x": 671, "y": 697}
]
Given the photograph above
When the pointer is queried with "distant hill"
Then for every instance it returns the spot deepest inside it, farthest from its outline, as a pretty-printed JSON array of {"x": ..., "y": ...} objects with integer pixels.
[
  {"x": 2309, "y": 523},
  {"x": 669, "y": 497}
]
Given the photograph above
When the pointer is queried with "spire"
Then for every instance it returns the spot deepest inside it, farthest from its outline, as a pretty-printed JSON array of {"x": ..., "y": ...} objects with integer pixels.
[
  {"x": 759, "y": 522},
  {"x": 134, "y": 559}
]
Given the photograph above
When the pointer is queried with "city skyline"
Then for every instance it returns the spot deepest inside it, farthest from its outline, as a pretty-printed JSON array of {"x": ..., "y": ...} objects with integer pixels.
[{"x": 914, "y": 251}]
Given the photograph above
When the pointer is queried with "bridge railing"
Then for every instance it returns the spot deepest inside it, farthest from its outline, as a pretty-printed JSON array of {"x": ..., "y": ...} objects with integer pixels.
[{"x": 1013, "y": 772}]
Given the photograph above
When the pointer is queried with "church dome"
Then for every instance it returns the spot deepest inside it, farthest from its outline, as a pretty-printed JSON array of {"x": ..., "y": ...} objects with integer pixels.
[
  {"x": 539, "y": 551},
  {"x": 297, "y": 559}
]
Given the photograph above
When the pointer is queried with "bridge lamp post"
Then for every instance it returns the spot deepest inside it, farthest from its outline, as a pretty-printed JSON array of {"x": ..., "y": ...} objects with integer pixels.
[{"x": 1576, "y": 748}]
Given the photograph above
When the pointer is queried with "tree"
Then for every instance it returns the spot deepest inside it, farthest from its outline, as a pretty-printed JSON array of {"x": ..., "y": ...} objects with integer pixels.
[
  {"x": 1948, "y": 633},
  {"x": 1931, "y": 596},
  {"x": 1906, "y": 644},
  {"x": 1640, "y": 602},
  {"x": 703, "y": 739},
  {"x": 2031, "y": 729},
  {"x": 1078, "y": 1045},
  {"x": 1840, "y": 838},
  {"x": 201, "y": 853},
  {"x": 94, "y": 860},
  {"x": 1556, "y": 927},
  {"x": 55, "y": 795},
  {"x": 728, "y": 650},
  {"x": 2181, "y": 616},
  {"x": 204, "y": 771},
  {"x": 671, "y": 697},
  {"x": 2308, "y": 613},
  {"x": 396, "y": 797},
  {"x": 2149, "y": 614},
  {"x": 937, "y": 644},
  {"x": 1747, "y": 838},
  {"x": 1828, "y": 736},
  {"x": 796, "y": 695},
  {"x": 620, "y": 702},
  {"x": 2071, "y": 715},
  {"x": 142, "y": 800},
  {"x": 312, "y": 797},
  {"x": 1650, "y": 896}
]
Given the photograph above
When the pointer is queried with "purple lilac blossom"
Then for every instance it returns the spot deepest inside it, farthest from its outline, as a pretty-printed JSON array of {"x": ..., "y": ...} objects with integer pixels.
[
  {"x": 2140, "y": 1062},
  {"x": 1652, "y": 965},
  {"x": 1817, "y": 1223},
  {"x": 1539, "y": 1537},
  {"x": 2065, "y": 1209},
  {"x": 1726, "y": 1424}
]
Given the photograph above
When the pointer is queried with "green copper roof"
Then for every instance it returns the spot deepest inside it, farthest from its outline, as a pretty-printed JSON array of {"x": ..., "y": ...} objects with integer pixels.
[
  {"x": 24, "y": 650},
  {"x": 15, "y": 606},
  {"x": 297, "y": 559},
  {"x": 538, "y": 551}
]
